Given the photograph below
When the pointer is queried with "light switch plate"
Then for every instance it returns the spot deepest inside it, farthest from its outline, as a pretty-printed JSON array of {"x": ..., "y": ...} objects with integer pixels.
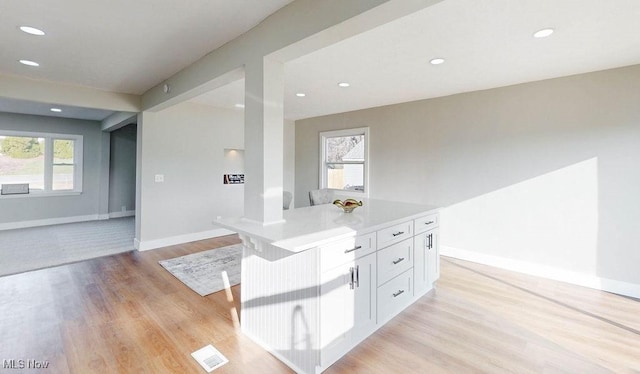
[{"x": 159, "y": 178}]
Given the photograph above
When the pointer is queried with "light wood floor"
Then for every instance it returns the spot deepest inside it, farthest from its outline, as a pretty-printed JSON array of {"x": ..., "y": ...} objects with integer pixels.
[{"x": 126, "y": 314}]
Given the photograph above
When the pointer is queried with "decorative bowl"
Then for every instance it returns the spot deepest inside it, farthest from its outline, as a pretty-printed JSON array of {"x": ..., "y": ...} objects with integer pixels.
[{"x": 348, "y": 205}]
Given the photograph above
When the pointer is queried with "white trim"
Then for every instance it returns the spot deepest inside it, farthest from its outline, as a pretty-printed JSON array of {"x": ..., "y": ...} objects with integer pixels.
[
  {"x": 41, "y": 194},
  {"x": 78, "y": 159},
  {"x": 48, "y": 221},
  {"x": 126, "y": 213},
  {"x": 146, "y": 245},
  {"x": 544, "y": 271},
  {"x": 322, "y": 180}
]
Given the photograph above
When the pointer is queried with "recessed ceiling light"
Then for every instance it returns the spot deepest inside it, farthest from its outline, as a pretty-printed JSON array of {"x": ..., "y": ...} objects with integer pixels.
[
  {"x": 543, "y": 33},
  {"x": 32, "y": 30},
  {"x": 57, "y": 110},
  {"x": 29, "y": 63},
  {"x": 437, "y": 61},
  {"x": 344, "y": 84},
  {"x": 239, "y": 105},
  {"x": 300, "y": 94}
]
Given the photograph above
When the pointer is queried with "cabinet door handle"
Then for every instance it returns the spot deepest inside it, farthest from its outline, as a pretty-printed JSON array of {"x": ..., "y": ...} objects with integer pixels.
[
  {"x": 358, "y": 276},
  {"x": 398, "y": 233},
  {"x": 352, "y": 282},
  {"x": 430, "y": 241},
  {"x": 396, "y": 294},
  {"x": 353, "y": 249},
  {"x": 396, "y": 262}
]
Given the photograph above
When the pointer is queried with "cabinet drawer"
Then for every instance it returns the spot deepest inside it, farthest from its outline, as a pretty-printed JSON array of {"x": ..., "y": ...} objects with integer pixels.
[
  {"x": 425, "y": 223},
  {"x": 395, "y": 234},
  {"x": 394, "y": 260},
  {"x": 346, "y": 250},
  {"x": 394, "y": 296}
]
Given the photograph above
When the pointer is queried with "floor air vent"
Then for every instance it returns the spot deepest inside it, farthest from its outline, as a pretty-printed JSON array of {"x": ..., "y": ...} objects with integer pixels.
[{"x": 209, "y": 358}]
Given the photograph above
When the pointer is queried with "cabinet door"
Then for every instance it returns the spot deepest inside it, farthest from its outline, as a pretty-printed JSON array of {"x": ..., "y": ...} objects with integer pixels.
[
  {"x": 365, "y": 297},
  {"x": 420, "y": 265},
  {"x": 336, "y": 312},
  {"x": 426, "y": 269},
  {"x": 347, "y": 307},
  {"x": 433, "y": 252}
]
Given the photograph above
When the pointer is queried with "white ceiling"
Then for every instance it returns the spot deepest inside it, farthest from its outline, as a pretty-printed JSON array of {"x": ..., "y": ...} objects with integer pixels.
[
  {"x": 125, "y": 46},
  {"x": 130, "y": 46},
  {"x": 486, "y": 44}
]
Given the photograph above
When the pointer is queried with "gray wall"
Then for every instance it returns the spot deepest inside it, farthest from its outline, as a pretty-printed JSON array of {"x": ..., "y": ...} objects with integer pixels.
[
  {"x": 545, "y": 173},
  {"x": 122, "y": 170},
  {"x": 186, "y": 145},
  {"x": 38, "y": 208}
]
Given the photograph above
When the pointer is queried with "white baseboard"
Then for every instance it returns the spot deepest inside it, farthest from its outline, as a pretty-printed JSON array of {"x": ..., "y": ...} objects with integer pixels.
[
  {"x": 146, "y": 245},
  {"x": 50, "y": 221},
  {"x": 126, "y": 213},
  {"x": 544, "y": 271}
]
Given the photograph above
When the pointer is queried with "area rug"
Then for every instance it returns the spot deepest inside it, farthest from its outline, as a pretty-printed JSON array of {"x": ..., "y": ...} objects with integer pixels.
[{"x": 206, "y": 272}]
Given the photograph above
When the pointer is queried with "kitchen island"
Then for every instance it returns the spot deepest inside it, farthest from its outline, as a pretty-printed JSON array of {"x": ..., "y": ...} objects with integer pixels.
[{"x": 317, "y": 284}]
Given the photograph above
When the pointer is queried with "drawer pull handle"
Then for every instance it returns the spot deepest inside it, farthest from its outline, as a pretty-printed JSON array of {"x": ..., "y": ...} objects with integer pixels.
[
  {"x": 396, "y": 294},
  {"x": 398, "y": 233},
  {"x": 353, "y": 249},
  {"x": 428, "y": 223},
  {"x": 396, "y": 262},
  {"x": 352, "y": 282}
]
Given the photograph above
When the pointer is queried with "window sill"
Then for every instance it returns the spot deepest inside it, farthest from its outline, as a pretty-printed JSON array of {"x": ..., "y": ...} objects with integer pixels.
[
  {"x": 339, "y": 192},
  {"x": 41, "y": 194}
]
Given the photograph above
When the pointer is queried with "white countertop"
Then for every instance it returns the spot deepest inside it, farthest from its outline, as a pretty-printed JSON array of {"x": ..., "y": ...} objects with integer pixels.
[{"x": 309, "y": 227}]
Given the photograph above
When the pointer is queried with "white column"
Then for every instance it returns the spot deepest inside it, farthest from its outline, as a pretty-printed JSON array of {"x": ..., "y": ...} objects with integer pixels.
[{"x": 263, "y": 140}]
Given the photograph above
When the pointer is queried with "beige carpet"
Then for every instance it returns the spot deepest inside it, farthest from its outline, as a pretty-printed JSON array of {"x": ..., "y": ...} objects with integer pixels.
[{"x": 41, "y": 247}]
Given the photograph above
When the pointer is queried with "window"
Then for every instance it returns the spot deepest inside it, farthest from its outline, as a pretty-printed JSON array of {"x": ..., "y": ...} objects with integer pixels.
[
  {"x": 343, "y": 161},
  {"x": 49, "y": 163}
]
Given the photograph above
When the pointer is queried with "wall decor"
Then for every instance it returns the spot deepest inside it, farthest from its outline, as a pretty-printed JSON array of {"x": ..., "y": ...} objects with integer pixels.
[{"x": 233, "y": 179}]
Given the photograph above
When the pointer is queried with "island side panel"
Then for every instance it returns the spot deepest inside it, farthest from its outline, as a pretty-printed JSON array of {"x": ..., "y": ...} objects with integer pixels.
[{"x": 280, "y": 303}]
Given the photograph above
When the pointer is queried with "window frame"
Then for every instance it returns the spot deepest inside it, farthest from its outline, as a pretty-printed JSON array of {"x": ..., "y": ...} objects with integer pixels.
[
  {"x": 78, "y": 154},
  {"x": 323, "y": 174}
]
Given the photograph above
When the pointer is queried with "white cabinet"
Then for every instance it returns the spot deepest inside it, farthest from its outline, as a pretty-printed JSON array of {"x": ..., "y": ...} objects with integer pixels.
[
  {"x": 368, "y": 279},
  {"x": 433, "y": 251},
  {"x": 365, "y": 298},
  {"x": 394, "y": 260},
  {"x": 425, "y": 223},
  {"x": 395, "y": 234},
  {"x": 347, "y": 307},
  {"x": 426, "y": 269},
  {"x": 346, "y": 250},
  {"x": 394, "y": 296},
  {"x": 318, "y": 284}
]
